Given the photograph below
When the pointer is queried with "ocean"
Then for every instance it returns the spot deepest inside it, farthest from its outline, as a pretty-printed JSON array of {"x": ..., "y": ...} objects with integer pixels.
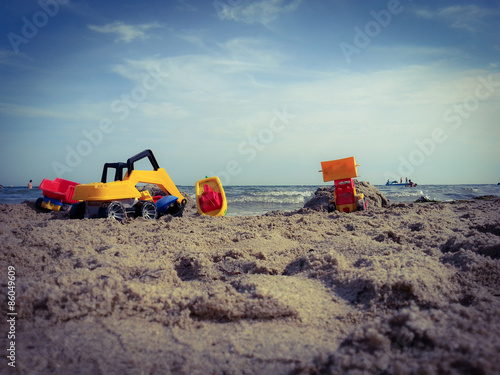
[{"x": 257, "y": 200}]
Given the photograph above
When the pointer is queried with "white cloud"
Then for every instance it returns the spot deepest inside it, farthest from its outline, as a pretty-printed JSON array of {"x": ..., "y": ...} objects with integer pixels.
[
  {"x": 163, "y": 110},
  {"x": 252, "y": 53},
  {"x": 5, "y": 56},
  {"x": 468, "y": 17},
  {"x": 413, "y": 51},
  {"x": 34, "y": 112},
  {"x": 219, "y": 92},
  {"x": 264, "y": 11},
  {"x": 125, "y": 33},
  {"x": 11, "y": 59},
  {"x": 186, "y": 6},
  {"x": 195, "y": 40}
]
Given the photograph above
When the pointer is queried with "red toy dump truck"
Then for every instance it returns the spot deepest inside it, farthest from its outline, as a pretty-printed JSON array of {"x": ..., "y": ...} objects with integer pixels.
[{"x": 57, "y": 194}]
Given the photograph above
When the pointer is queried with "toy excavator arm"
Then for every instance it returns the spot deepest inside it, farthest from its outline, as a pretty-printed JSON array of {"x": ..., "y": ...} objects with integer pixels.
[
  {"x": 141, "y": 155},
  {"x": 158, "y": 177},
  {"x": 124, "y": 187}
]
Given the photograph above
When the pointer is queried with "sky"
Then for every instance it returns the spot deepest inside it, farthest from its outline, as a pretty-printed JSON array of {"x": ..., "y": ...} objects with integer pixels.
[{"x": 255, "y": 92}]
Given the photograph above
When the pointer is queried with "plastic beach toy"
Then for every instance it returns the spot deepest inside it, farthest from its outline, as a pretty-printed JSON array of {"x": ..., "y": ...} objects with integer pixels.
[
  {"x": 164, "y": 203},
  {"x": 56, "y": 194},
  {"x": 120, "y": 198},
  {"x": 210, "y": 197},
  {"x": 341, "y": 171}
]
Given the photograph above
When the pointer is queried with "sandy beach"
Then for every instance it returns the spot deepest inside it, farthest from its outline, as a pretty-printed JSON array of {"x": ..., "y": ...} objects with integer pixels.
[{"x": 397, "y": 289}]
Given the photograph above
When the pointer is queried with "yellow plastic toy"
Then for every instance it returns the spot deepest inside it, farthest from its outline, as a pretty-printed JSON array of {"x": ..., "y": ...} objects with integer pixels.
[
  {"x": 341, "y": 171},
  {"x": 121, "y": 198},
  {"x": 210, "y": 197}
]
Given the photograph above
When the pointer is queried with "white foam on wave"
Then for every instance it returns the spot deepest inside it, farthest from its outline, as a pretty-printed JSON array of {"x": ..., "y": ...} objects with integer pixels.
[{"x": 282, "y": 197}]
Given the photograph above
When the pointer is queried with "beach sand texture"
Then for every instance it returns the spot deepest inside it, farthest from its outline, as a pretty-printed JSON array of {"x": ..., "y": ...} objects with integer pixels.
[{"x": 398, "y": 289}]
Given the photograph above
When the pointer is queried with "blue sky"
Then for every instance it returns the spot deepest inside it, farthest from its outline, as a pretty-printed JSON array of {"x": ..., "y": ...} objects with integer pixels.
[{"x": 256, "y": 92}]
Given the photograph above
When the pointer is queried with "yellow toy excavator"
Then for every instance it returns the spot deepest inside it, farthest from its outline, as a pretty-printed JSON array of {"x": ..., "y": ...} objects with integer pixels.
[{"x": 121, "y": 198}]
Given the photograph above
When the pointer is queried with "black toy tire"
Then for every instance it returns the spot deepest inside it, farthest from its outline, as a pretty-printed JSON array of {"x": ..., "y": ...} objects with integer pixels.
[
  {"x": 361, "y": 204},
  {"x": 38, "y": 203},
  {"x": 77, "y": 211},
  {"x": 176, "y": 209}
]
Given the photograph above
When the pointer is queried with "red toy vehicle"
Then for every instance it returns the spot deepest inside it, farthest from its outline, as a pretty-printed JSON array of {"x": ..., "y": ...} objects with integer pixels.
[
  {"x": 341, "y": 171},
  {"x": 57, "y": 194}
]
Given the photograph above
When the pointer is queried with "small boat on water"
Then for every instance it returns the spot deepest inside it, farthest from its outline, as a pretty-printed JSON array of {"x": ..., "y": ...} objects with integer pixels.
[
  {"x": 406, "y": 184},
  {"x": 210, "y": 197}
]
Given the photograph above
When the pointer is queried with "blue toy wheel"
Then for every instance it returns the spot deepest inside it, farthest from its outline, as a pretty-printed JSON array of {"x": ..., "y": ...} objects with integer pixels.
[{"x": 163, "y": 203}]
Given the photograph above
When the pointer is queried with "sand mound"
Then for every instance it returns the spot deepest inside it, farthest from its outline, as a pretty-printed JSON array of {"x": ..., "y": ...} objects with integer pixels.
[{"x": 323, "y": 195}]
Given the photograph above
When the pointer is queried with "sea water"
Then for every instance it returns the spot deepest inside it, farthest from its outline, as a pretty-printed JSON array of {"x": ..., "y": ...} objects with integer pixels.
[
  {"x": 442, "y": 193},
  {"x": 19, "y": 194},
  {"x": 257, "y": 200}
]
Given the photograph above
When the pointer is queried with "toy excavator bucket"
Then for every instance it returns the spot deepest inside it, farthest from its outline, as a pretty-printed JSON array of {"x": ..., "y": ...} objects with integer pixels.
[{"x": 339, "y": 169}]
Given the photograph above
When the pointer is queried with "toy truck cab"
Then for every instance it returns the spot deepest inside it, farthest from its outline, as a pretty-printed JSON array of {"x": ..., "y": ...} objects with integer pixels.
[{"x": 120, "y": 198}]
